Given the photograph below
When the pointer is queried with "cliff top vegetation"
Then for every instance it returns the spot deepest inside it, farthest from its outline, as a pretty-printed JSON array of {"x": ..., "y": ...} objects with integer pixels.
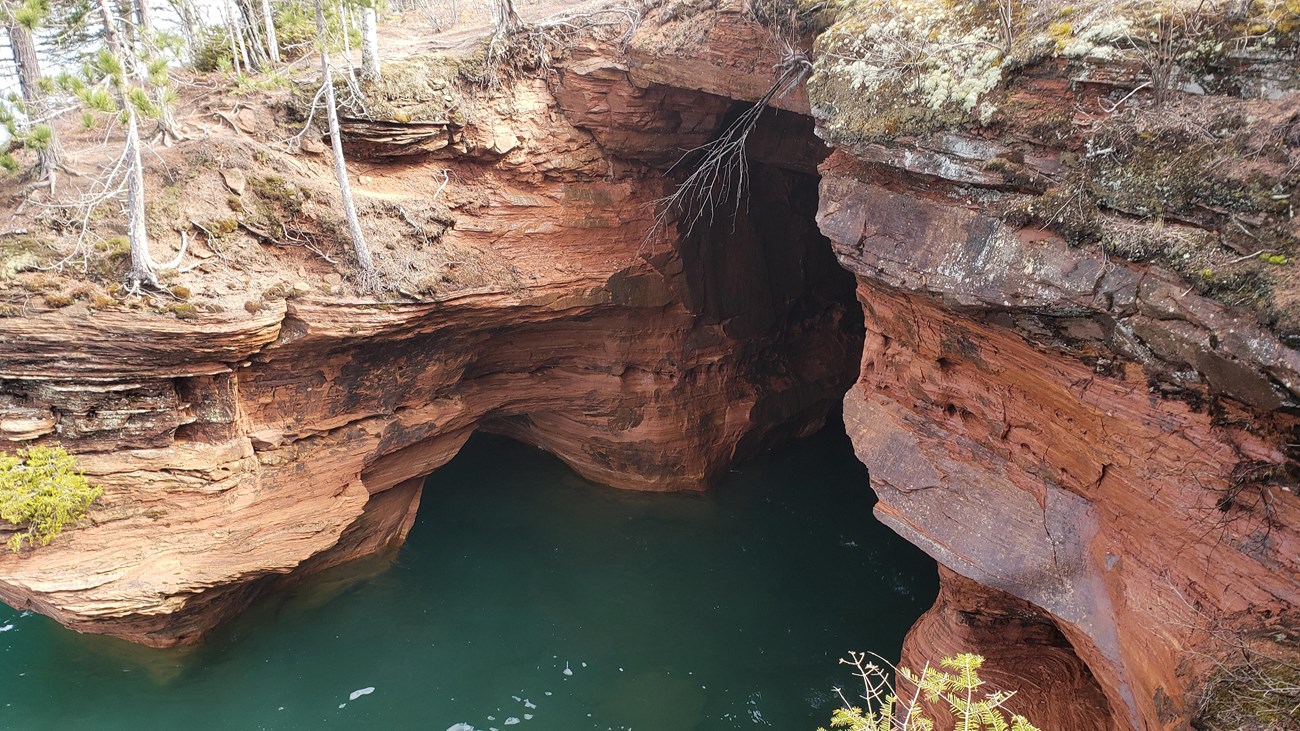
[
  {"x": 1132, "y": 81},
  {"x": 238, "y": 197},
  {"x": 246, "y": 188}
]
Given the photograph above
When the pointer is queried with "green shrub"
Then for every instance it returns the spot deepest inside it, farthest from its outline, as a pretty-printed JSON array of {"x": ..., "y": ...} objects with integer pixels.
[
  {"x": 211, "y": 51},
  {"x": 41, "y": 492},
  {"x": 895, "y": 706}
]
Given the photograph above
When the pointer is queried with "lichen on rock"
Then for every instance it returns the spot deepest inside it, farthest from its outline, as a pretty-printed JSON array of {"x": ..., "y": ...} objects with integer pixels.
[{"x": 889, "y": 68}]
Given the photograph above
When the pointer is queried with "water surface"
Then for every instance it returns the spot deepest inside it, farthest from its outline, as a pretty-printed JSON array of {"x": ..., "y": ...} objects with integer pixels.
[{"x": 529, "y": 599}]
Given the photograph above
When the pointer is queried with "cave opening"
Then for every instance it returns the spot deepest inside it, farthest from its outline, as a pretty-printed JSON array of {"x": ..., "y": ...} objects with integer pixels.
[
  {"x": 683, "y": 610},
  {"x": 690, "y": 610},
  {"x": 761, "y": 267},
  {"x": 528, "y": 594}
]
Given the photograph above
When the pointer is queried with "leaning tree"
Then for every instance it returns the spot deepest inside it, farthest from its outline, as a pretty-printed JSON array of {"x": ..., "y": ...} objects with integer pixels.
[{"x": 364, "y": 260}]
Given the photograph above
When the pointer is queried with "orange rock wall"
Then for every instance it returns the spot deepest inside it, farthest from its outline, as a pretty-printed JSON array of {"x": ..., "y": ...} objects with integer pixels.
[
  {"x": 240, "y": 451},
  {"x": 1004, "y": 442},
  {"x": 1074, "y": 438}
]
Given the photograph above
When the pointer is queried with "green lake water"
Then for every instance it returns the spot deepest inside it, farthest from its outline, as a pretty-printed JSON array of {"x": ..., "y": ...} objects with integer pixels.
[{"x": 531, "y": 600}]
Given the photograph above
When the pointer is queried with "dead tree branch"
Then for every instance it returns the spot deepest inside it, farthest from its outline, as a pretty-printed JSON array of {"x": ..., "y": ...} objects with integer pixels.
[{"x": 721, "y": 176}]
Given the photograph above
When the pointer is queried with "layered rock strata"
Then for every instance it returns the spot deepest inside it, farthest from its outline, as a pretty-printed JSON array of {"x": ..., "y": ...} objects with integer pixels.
[
  {"x": 239, "y": 451},
  {"x": 1099, "y": 452},
  {"x": 1101, "y": 457},
  {"x": 1087, "y": 419}
]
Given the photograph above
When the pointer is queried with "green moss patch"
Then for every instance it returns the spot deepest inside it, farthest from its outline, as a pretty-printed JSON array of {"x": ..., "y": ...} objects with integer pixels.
[{"x": 22, "y": 253}]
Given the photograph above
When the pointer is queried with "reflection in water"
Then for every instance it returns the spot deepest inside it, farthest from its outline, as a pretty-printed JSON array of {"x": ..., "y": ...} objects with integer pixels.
[{"x": 528, "y": 598}]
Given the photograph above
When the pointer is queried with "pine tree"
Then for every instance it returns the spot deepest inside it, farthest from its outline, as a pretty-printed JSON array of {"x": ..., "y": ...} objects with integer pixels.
[
  {"x": 117, "y": 63},
  {"x": 20, "y": 22},
  {"x": 154, "y": 74}
]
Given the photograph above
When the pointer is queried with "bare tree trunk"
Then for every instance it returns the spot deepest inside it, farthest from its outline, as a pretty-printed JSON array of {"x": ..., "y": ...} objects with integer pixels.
[
  {"x": 29, "y": 81},
  {"x": 168, "y": 129},
  {"x": 126, "y": 9},
  {"x": 237, "y": 22},
  {"x": 142, "y": 265},
  {"x": 272, "y": 45},
  {"x": 230, "y": 32},
  {"x": 144, "y": 18},
  {"x": 364, "y": 260},
  {"x": 507, "y": 19},
  {"x": 111, "y": 38},
  {"x": 258, "y": 54},
  {"x": 344, "y": 21},
  {"x": 369, "y": 42}
]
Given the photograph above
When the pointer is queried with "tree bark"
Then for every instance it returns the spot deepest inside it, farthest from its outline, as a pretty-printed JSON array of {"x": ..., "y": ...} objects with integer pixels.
[
  {"x": 369, "y": 43},
  {"x": 126, "y": 9},
  {"x": 237, "y": 22},
  {"x": 111, "y": 39},
  {"x": 142, "y": 265},
  {"x": 29, "y": 82},
  {"x": 230, "y": 33},
  {"x": 29, "y": 65},
  {"x": 272, "y": 45},
  {"x": 507, "y": 17},
  {"x": 253, "y": 30},
  {"x": 364, "y": 259},
  {"x": 144, "y": 18},
  {"x": 347, "y": 37},
  {"x": 167, "y": 126}
]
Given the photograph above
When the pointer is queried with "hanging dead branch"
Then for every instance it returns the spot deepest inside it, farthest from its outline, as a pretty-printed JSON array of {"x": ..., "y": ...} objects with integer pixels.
[{"x": 721, "y": 175}]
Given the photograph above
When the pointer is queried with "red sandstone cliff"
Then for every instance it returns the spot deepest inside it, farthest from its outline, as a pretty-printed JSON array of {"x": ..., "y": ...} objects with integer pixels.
[
  {"x": 1099, "y": 452},
  {"x": 238, "y": 449}
]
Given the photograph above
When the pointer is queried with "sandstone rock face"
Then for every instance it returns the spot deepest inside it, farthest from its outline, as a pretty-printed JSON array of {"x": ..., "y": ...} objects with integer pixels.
[
  {"x": 1018, "y": 643},
  {"x": 1098, "y": 536},
  {"x": 239, "y": 451},
  {"x": 1101, "y": 459},
  {"x": 216, "y": 481}
]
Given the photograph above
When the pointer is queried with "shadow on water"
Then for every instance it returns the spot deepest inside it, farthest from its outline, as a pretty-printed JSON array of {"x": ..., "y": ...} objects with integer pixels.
[{"x": 527, "y": 596}]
